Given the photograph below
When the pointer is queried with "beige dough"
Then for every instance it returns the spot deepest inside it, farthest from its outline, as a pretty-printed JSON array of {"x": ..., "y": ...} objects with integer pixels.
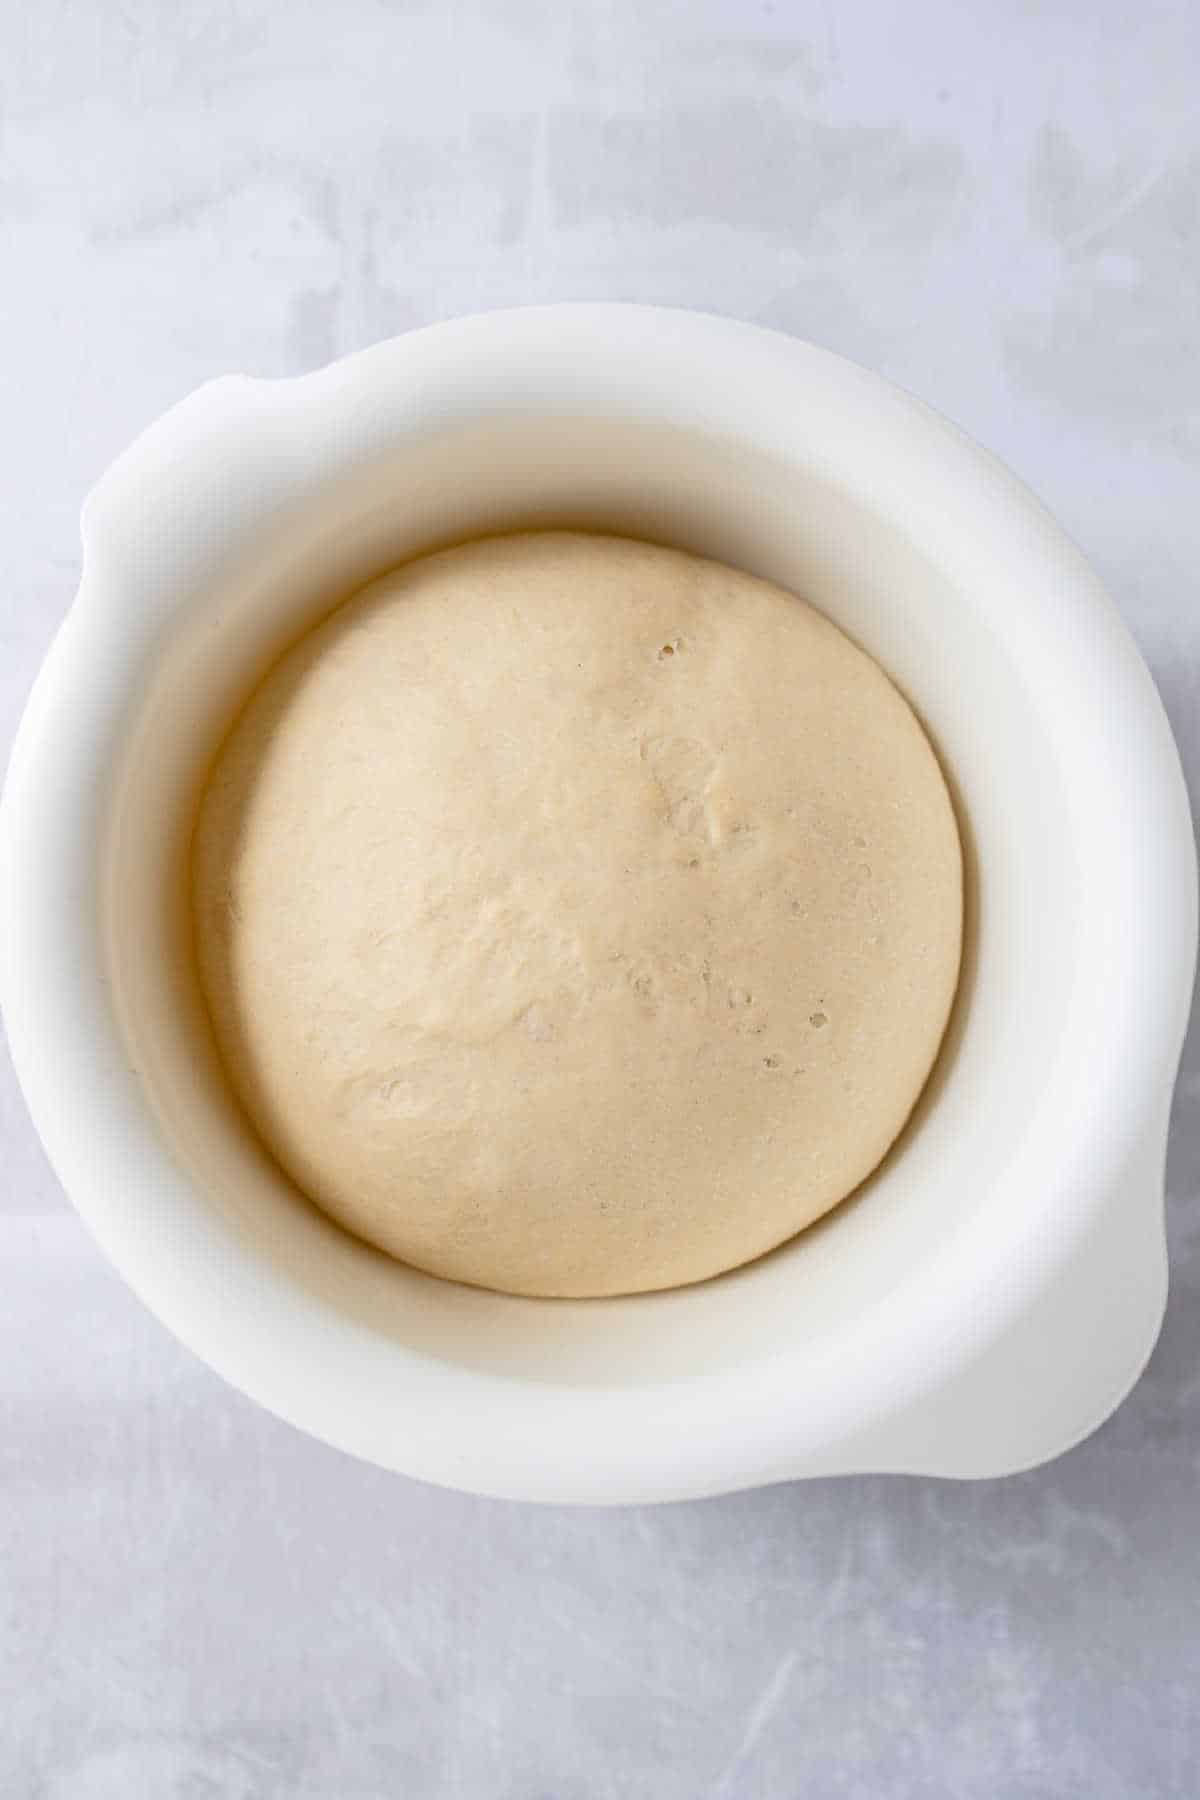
[{"x": 576, "y": 916}]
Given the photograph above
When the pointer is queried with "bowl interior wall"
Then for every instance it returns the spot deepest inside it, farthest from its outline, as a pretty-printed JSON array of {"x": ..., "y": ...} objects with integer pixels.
[{"x": 725, "y": 500}]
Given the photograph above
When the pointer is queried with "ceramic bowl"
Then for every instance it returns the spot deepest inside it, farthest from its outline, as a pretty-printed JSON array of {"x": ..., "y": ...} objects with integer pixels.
[{"x": 992, "y": 1292}]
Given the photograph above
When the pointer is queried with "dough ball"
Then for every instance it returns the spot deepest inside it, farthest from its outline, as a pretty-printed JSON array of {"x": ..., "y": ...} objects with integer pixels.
[{"x": 577, "y": 916}]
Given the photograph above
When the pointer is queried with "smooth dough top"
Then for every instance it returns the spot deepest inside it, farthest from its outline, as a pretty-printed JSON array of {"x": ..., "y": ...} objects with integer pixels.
[{"x": 577, "y": 916}]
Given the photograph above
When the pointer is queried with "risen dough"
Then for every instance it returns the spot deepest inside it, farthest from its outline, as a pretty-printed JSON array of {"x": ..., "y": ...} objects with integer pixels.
[{"x": 577, "y": 916}]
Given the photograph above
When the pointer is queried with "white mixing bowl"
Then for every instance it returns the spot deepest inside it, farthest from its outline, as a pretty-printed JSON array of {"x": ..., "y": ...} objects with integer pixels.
[{"x": 994, "y": 1290}]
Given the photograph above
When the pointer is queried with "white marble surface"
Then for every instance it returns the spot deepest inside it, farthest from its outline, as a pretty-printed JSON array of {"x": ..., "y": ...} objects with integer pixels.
[{"x": 995, "y": 203}]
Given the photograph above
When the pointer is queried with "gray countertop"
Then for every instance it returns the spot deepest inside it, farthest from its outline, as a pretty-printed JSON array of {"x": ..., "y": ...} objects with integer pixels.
[{"x": 997, "y": 205}]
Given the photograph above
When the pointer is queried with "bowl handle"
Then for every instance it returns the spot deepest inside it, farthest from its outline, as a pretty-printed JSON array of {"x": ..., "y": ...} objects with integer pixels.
[
  {"x": 171, "y": 507},
  {"x": 1065, "y": 1364}
]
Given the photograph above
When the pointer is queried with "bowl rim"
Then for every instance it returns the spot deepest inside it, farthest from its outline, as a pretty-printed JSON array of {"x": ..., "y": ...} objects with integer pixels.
[{"x": 651, "y": 1442}]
